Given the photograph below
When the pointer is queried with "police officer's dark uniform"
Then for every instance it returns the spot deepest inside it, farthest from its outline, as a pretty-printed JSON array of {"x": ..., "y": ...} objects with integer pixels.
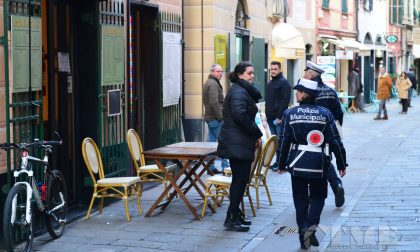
[
  {"x": 307, "y": 135},
  {"x": 328, "y": 98}
]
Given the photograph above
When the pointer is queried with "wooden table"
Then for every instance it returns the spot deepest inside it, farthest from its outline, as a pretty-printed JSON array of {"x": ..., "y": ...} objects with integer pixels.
[{"x": 190, "y": 156}]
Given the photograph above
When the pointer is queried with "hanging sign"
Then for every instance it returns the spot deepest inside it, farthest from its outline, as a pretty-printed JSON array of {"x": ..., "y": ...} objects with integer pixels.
[
  {"x": 391, "y": 39},
  {"x": 23, "y": 70}
]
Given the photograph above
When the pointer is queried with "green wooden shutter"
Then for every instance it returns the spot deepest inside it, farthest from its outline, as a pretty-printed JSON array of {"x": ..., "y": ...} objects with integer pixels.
[
  {"x": 258, "y": 60},
  {"x": 394, "y": 12},
  {"x": 344, "y": 8},
  {"x": 325, "y": 4}
]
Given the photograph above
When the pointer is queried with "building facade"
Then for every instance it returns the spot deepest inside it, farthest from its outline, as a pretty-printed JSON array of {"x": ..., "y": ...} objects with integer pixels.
[
  {"x": 222, "y": 32},
  {"x": 96, "y": 69}
]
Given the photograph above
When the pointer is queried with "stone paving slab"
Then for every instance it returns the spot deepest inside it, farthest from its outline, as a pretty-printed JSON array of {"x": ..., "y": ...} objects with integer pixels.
[{"x": 382, "y": 205}]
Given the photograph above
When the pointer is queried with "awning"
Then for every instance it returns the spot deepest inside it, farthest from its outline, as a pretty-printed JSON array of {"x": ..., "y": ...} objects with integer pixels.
[
  {"x": 416, "y": 51},
  {"x": 348, "y": 44},
  {"x": 287, "y": 41}
]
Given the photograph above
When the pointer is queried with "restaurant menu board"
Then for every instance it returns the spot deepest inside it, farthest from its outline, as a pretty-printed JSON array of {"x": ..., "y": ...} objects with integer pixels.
[
  {"x": 20, "y": 27},
  {"x": 113, "y": 51},
  {"x": 171, "y": 68}
]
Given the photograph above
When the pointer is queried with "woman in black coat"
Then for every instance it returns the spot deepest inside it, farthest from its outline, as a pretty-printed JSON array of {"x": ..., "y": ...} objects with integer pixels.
[{"x": 237, "y": 138}]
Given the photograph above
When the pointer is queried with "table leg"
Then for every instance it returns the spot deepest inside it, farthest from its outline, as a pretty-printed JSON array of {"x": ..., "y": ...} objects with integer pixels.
[
  {"x": 165, "y": 192},
  {"x": 173, "y": 194},
  {"x": 197, "y": 178}
]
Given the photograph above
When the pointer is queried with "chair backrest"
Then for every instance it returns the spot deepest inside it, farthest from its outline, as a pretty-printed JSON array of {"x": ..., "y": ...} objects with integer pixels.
[
  {"x": 136, "y": 148},
  {"x": 257, "y": 158},
  {"x": 93, "y": 159},
  {"x": 267, "y": 155}
]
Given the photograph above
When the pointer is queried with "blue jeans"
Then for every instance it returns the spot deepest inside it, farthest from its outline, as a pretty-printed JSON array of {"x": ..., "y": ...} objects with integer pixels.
[
  {"x": 275, "y": 130},
  {"x": 410, "y": 93},
  {"x": 333, "y": 178},
  {"x": 214, "y": 127},
  {"x": 214, "y": 130}
]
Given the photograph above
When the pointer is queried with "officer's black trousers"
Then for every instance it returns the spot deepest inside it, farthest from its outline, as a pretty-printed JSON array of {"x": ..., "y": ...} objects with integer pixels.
[
  {"x": 240, "y": 177},
  {"x": 333, "y": 178},
  {"x": 309, "y": 197}
]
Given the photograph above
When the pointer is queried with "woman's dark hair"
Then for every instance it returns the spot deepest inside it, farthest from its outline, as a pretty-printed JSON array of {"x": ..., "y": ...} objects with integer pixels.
[
  {"x": 240, "y": 68},
  {"x": 405, "y": 74}
]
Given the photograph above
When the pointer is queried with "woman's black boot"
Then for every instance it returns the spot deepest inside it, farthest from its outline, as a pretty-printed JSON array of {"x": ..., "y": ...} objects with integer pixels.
[
  {"x": 244, "y": 220},
  {"x": 233, "y": 223}
]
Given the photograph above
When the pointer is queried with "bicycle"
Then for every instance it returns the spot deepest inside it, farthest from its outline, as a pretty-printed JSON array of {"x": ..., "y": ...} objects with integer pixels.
[{"x": 50, "y": 197}]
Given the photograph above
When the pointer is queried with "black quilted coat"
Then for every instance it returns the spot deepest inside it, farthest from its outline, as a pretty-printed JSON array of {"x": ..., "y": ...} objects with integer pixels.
[{"x": 239, "y": 131}]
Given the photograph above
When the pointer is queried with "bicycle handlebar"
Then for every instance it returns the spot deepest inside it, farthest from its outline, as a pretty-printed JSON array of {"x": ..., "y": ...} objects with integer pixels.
[{"x": 37, "y": 144}]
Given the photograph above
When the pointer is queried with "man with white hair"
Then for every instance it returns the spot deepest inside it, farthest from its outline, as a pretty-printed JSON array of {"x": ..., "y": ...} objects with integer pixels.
[
  {"x": 328, "y": 98},
  {"x": 307, "y": 134},
  {"x": 213, "y": 106}
]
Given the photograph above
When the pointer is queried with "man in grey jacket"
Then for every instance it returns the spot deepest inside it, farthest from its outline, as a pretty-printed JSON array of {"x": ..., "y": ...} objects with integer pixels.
[{"x": 213, "y": 105}]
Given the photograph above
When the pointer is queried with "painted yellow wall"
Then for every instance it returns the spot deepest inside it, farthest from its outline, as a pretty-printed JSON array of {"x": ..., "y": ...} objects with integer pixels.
[{"x": 219, "y": 18}]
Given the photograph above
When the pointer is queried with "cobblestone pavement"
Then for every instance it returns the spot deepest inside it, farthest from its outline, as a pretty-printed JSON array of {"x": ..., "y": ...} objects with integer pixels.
[{"x": 381, "y": 212}]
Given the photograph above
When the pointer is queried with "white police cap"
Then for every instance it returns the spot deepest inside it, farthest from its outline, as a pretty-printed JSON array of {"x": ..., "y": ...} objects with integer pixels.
[
  {"x": 313, "y": 66},
  {"x": 307, "y": 86}
]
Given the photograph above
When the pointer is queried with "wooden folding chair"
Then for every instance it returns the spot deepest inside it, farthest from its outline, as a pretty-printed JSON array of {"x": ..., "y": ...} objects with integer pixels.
[
  {"x": 147, "y": 173},
  {"x": 260, "y": 176},
  {"x": 101, "y": 185},
  {"x": 219, "y": 185}
]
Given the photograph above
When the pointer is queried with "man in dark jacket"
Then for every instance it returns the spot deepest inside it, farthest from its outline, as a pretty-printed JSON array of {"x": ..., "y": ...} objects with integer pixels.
[
  {"x": 413, "y": 80},
  {"x": 355, "y": 89},
  {"x": 277, "y": 98},
  {"x": 213, "y": 106},
  {"x": 328, "y": 98}
]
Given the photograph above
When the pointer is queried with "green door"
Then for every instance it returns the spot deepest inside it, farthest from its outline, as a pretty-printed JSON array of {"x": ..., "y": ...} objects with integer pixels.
[{"x": 112, "y": 89}]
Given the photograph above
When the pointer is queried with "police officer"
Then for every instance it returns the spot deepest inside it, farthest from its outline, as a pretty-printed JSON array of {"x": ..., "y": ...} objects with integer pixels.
[
  {"x": 328, "y": 98},
  {"x": 307, "y": 134}
]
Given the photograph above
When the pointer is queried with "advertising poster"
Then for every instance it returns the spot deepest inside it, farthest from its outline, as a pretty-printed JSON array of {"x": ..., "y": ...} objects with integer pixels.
[{"x": 327, "y": 63}]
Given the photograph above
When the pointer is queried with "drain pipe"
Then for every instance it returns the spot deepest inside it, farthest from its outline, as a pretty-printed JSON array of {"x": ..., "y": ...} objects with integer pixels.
[{"x": 202, "y": 67}]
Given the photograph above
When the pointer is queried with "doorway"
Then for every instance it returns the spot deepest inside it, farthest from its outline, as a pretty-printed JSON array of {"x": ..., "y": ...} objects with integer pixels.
[{"x": 144, "y": 83}]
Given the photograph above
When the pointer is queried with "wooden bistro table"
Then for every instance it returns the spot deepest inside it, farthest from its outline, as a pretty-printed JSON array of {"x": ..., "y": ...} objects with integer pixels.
[{"x": 190, "y": 156}]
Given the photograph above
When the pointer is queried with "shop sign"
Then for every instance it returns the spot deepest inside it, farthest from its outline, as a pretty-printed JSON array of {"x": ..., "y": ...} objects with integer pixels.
[
  {"x": 344, "y": 54},
  {"x": 327, "y": 63},
  {"x": 391, "y": 38}
]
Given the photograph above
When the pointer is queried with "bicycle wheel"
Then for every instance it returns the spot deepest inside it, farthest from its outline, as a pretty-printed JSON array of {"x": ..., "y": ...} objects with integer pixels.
[
  {"x": 56, "y": 221},
  {"x": 18, "y": 234}
]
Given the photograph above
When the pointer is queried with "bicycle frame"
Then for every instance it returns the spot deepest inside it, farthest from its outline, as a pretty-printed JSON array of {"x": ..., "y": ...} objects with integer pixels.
[{"x": 32, "y": 189}]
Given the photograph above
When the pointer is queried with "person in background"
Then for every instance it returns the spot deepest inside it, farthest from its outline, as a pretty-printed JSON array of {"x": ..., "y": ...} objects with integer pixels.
[
  {"x": 356, "y": 89},
  {"x": 328, "y": 98},
  {"x": 213, "y": 106},
  {"x": 277, "y": 98},
  {"x": 238, "y": 137},
  {"x": 307, "y": 134},
  {"x": 384, "y": 92},
  {"x": 411, "y": 75},
  {"x": 403, "y": 85}
]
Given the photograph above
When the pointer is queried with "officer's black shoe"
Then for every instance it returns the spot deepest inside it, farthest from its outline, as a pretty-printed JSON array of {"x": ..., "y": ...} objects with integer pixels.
[
  {"x": 313, "y": 240},
  {"x": 233, "y": 223},
  {"x": 339, "y": 195},
  {"x": 304, "y": 239}
]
